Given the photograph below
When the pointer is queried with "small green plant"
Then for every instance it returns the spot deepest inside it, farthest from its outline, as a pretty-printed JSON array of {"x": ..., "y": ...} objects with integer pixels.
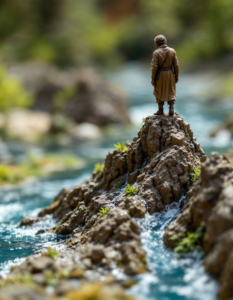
[
  {"x": 119, "y": 184},
  {"x": 103, "y": 212},
  {"x": 121, "y": 146},
  {"x": 196, "y": 173},
  {"x": 99, "y": 168},
  {"x": 130, "y": 191},
  {"x": 51, "y": 252},
  {"x": 143, "y": 121},
  {"x": 189, "y": 241},
  {"x": 86, "y": 209}
]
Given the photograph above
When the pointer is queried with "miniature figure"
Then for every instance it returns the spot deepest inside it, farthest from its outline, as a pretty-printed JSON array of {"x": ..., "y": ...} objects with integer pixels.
[{"x": 164, "y": 74}]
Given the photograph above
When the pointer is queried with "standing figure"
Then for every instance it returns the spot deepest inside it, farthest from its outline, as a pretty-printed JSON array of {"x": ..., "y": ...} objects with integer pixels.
[{"x": 164, "y": 74}]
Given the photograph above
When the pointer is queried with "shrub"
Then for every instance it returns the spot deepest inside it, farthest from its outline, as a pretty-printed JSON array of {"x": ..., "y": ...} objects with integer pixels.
[
  {"x": 99, "y": 168},
  {"x": 121, "y": 147},
  {"x": 103, "y": 212},
  {"x": 130, "y": 191},
  {"x": 12, "y": 93},
  {"x": 189, "y": 242},
  {"x": 120, "y": 183}
]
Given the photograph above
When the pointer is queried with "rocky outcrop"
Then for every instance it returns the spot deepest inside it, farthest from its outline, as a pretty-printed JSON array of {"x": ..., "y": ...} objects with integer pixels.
[
  {"x": 211, "y": 206},
  {"x": 98, "y": 214},
  {"x": 80, "y": 94}
]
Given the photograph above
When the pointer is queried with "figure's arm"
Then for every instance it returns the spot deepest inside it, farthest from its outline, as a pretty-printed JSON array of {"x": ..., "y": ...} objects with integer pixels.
[
  {"x": 176, "y": 68},
  {"x": 154, "y": 67}
]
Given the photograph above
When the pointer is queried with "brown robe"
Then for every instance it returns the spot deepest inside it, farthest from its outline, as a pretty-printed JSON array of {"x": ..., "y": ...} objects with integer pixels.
[{"x": 165, "y": 89}]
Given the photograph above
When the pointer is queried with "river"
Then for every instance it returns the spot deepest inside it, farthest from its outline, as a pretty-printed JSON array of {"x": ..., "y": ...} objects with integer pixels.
[{"x": 171, "y": 277}]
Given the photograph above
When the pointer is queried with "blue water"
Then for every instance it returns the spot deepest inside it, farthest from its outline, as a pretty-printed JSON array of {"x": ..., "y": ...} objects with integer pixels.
[{"x": 171, "y": 277}]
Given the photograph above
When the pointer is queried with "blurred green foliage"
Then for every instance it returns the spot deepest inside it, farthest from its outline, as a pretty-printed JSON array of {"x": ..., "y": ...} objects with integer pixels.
[
  {"x": 228, "y": 85},
  {"x": 37, "y": 167},
  {"x": 104, "y": 31},
  {"x": 12, "y": 93}
]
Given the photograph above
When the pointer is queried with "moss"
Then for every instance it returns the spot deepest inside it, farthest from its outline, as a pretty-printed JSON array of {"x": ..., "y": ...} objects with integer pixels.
[
  {"x": 120, "y": 183},
  {"x": 189, "y": 242},
  {"x": 196, "y": 173}
]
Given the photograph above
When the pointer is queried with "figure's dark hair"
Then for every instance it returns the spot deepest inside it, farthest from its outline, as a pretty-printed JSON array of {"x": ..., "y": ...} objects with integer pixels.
[{"x": 160, "y": 40}]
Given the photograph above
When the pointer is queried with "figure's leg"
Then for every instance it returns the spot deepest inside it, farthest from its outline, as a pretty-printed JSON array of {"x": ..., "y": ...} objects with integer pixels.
[
  {"x": 160, "y": 104},
  {"x": 171, "y": 107}
]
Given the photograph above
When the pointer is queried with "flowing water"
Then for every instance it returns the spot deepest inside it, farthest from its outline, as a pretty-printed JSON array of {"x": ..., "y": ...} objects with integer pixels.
[{"x": 171, "y": 277}]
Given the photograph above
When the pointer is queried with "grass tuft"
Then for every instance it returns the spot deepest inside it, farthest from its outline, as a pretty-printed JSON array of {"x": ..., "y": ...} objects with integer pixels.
[
  {"x": 99, "y": 168},
  {"x": 121, "y": 146},
  {"x": 103, "y": 212}
]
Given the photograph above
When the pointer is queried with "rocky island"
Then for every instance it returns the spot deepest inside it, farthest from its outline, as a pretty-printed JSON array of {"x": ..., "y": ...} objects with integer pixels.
[{"x": 98, "y": 218}]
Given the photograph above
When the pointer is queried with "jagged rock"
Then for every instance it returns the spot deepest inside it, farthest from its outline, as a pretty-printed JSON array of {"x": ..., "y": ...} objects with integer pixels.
[
  {"x": 28, "y": 221},
  {"x": 203, "y": 197},
  {"x": 211, "y": 204},
  {"x": 35, "y": 265},
  {"x": 157, "y": 164}
]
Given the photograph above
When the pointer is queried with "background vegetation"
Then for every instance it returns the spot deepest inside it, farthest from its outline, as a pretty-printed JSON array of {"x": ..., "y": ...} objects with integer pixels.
[{"x": 80, "y": 32}]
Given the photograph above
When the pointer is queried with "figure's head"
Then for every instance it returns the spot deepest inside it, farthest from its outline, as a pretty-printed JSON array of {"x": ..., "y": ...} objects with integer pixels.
[{"x": 160, "y": 40}]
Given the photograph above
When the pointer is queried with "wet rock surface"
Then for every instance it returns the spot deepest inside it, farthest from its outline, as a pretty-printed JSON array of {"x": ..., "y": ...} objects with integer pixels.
[
  {"x": 211, "y": 205},
  {"x": 98, "y": 215}
]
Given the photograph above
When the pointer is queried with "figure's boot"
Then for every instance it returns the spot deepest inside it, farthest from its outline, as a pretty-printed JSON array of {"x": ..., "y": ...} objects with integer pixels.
[
  {"x": 160, "y": 111},
  {"x": 171, "y": 108}
]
